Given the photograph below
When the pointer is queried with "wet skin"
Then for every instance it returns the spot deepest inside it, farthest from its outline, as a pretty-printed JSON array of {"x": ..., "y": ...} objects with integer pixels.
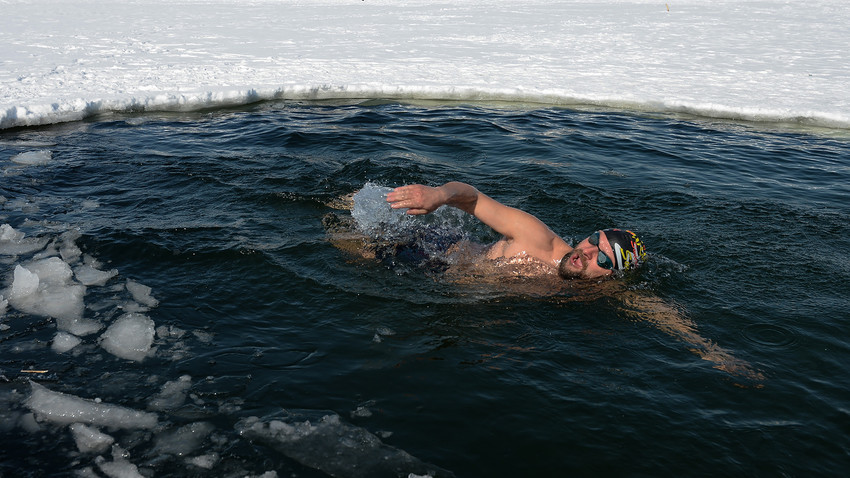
[{"x": 581, "y": 261}]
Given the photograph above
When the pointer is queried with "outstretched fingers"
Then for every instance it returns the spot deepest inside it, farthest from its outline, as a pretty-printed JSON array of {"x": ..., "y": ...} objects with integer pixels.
[{"x": 415, "y": 198}]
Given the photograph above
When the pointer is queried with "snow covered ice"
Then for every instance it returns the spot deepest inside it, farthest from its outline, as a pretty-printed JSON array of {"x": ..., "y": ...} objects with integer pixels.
[{"x": 753, "y": 60}]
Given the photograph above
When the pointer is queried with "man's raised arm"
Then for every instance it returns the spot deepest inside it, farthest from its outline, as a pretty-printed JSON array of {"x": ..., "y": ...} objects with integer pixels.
[{"x": 512, "y": 223}]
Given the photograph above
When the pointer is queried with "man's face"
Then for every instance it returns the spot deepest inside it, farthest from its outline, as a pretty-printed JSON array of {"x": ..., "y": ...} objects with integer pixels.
[{"x": 582, "y": 263}]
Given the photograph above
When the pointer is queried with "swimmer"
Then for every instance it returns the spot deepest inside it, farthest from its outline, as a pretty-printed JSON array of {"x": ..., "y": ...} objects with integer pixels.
[
  {"x": 599, "y": 255},
  {"x": 526, "y": 239}
]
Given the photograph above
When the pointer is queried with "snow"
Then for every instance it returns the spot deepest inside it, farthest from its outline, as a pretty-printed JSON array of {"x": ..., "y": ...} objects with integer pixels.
[
  {"x": 372, "y": 213},
  {"x": 769, "y": 60}
]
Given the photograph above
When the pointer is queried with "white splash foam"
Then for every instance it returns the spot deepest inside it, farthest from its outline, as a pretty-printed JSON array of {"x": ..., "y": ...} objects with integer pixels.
[{"x": 373, "y": 213}]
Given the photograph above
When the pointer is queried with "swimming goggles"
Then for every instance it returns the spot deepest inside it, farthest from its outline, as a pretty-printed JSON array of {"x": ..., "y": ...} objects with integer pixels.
[{"x": 602, "y": 259}]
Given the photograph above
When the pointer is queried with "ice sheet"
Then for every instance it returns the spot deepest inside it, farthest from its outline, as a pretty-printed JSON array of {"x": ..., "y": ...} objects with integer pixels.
[{"x": 742, "y": 59}]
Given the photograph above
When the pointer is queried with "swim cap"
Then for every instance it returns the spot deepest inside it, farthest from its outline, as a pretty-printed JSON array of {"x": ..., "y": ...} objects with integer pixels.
[{"x": 628, "y": 249}]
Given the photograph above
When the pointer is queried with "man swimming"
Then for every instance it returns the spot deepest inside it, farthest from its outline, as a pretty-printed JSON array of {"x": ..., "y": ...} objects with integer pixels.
[
  {"x": 526, "y": 239},
  {"x": 598, "y": 255}
]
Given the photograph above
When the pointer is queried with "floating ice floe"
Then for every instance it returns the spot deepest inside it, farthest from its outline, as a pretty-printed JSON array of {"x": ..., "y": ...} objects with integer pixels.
[
  {"x": 172, "y": 395},
  {"x": 119, "y": 467},
  {"x": 13, "y": 242},
  {"x": 63, "y": 342},
  {"x": 61, "y": 408},
  {"x": 130, "y": 337},
  {"x": 88, "y": 275},
  {"x": 206, "y": 462},
  {"x": 33, "y": 158},
  {"x": 336, "y": 448},
  {"x": 45, "y": 287},
  {"x": 141, "y": 294},
  {"x": 184, "y": 440},
  {"x": 90, "y": 439}
]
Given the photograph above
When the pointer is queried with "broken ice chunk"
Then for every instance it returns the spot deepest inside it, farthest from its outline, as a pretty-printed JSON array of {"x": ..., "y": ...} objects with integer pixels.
[
  {"x": 63, "y": 408},
  {"x": 88, "y": 275},
  {"x": 90, "y": 439},
  {"x": 63, "y": 342},
  {"x": 129, "y": 337},
  {"x": 141, "y": 293}
]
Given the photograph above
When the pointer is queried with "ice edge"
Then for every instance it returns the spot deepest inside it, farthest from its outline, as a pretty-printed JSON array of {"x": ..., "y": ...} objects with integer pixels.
[{"x": 12, "y": 116}]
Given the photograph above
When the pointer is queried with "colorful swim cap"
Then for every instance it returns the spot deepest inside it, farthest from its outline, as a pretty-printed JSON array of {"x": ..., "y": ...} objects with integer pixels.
[{"x": 628, "y": 249}]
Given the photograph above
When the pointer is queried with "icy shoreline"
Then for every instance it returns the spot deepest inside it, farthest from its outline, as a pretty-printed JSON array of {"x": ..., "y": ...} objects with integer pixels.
[
  {"x": 753, "y": 61},
  {"x": 80, "y": 109}
]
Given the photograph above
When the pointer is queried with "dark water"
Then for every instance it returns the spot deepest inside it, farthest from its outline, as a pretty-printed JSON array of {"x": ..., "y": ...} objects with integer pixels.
[{"x": 221, "y": 214}]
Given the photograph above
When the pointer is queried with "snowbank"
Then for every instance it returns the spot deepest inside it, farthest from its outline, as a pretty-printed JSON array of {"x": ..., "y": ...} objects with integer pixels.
[{"x": 765, "y": 60}]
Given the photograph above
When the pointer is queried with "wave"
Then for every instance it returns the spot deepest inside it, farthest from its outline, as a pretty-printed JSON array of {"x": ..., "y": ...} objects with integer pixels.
[{"x": 68, "y": 110}]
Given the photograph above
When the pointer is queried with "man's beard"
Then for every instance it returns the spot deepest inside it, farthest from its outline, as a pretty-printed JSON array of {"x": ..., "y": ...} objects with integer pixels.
[{"x": 569, "y": 273}]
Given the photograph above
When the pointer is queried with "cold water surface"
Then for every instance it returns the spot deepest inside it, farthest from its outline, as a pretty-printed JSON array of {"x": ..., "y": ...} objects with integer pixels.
[{"x": 228, "y": 217}]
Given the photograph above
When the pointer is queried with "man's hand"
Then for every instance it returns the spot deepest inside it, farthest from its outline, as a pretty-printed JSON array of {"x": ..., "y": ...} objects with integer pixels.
[
  {"x": 525, "y": 233},
  {"x": 418, "y": 199}
]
